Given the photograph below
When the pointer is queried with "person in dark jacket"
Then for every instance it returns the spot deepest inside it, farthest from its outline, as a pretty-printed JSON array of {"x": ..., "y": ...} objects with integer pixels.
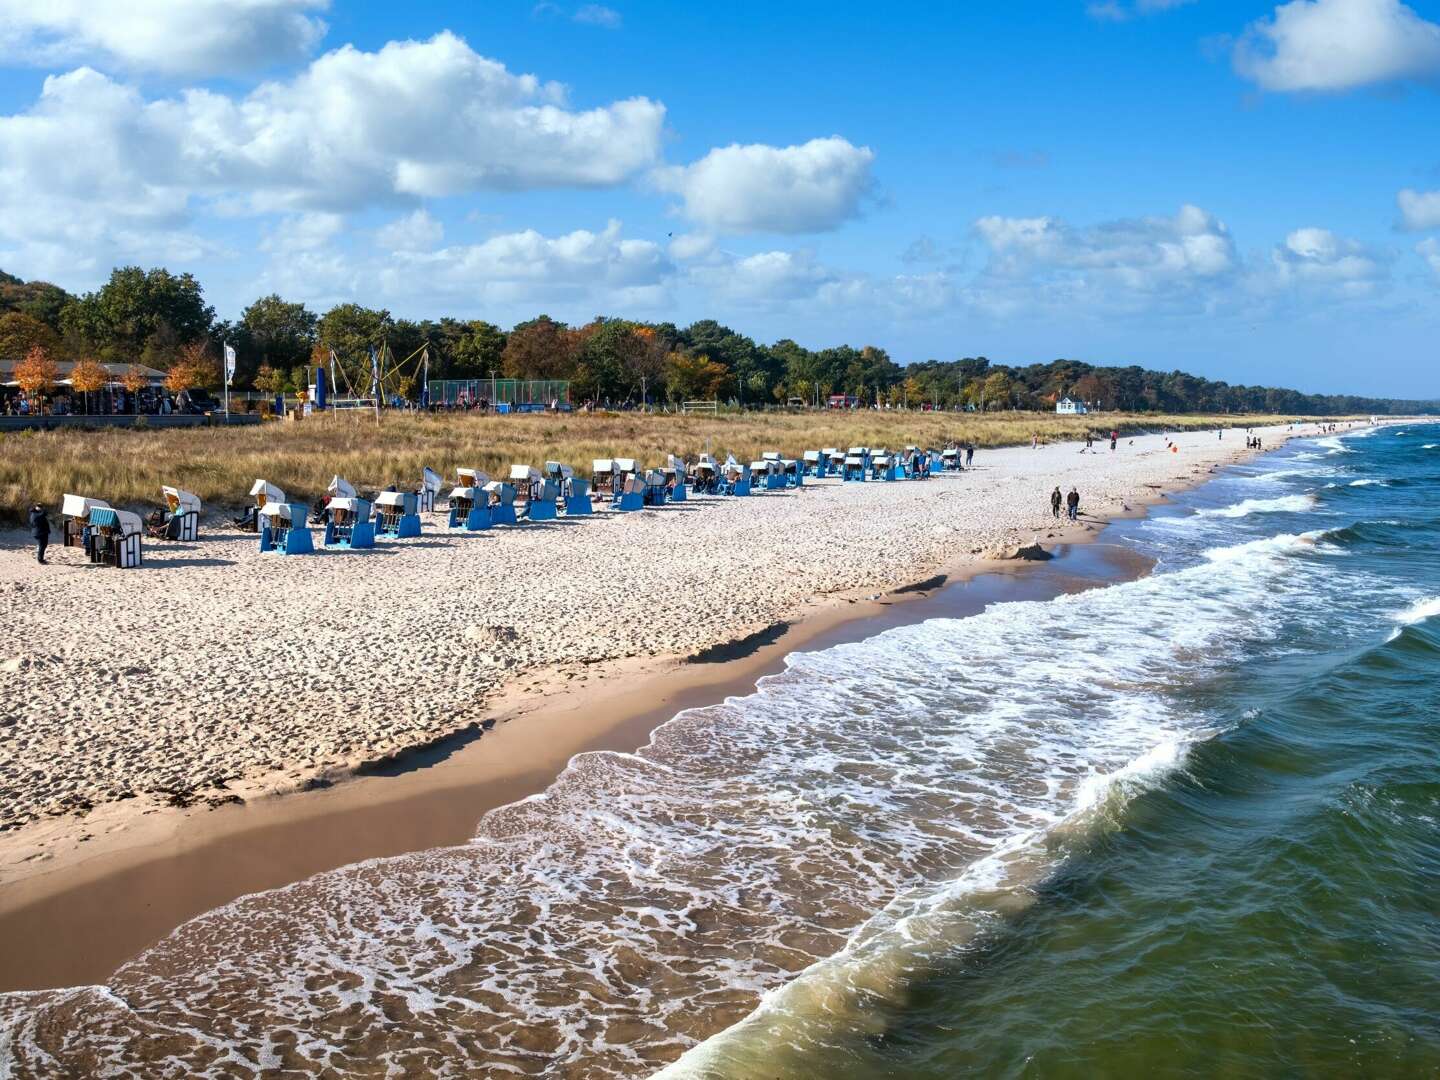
[
  {"x": 1072, "y": 504},
  {"x": 40, "y": 530},
  {"x": 1055, "y": 502}
]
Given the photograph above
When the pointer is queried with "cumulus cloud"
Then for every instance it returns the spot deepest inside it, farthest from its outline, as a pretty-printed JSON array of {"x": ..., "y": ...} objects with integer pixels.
[
  {"x": 172, "y": 37},
  {"x": 1315, "y": 256},
  {"x": 1419, "y": 210},
  {"x": 813, "y": 187},
  {"x": 415, "y": 231},
  {"x": 415, "y": 119},
  {"x": 1324, "y": 45}
]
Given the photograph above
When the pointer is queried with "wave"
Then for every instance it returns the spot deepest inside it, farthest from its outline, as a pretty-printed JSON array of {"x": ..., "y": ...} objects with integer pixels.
[
  {"x": 1266, "y": 547},
  {"x": 1368, "y": 482},
  {"x": 1334, "y": 445},
  {"x": 1293, "y": 504},
  {"x": 1419, "y": 612},
  {"x": 1428, "y": 446}
]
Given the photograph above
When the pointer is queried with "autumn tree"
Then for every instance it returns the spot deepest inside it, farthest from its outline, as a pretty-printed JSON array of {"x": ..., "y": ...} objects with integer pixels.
[
  {"x": 87, "y": 376},
  {"x": 134, "y": 380},
  {"x": 694, "y": 378},
  {"x": 540, "y": 349},
  {"x": 19, "y": 333},
  {"x": 36, "y": 374},
  {"x": 193, "y": 367},
  {"x": 268, "y": 380}
]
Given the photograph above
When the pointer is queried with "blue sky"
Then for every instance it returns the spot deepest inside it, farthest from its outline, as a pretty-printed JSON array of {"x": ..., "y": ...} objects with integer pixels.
[{"x": 1246, "y": 191}]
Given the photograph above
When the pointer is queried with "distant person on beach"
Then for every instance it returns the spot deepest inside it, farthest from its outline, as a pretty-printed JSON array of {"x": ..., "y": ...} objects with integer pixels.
[
  {"x": 1114, "y": 438},
  {"x": 40, "y": 531},
  {"x": 1035, "y": 441},
  {"x": 1055, "y": 502},
  {"x": 1072, "y": 504},
  {"x": 969, "y": 454}
]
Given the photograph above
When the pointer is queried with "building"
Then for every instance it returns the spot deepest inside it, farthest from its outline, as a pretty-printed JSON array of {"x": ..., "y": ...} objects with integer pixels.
[
  {"x": 1069, "y": 407},
  {"x": 64, "y": 367}
]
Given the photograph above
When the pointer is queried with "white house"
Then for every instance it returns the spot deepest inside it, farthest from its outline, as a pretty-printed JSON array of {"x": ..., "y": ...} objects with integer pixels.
[{"x": 1066, "y": 407}]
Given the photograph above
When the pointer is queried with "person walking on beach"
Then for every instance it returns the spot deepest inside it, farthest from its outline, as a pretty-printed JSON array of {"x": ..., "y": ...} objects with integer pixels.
[
  {"x": 40, "y": 530},
  {"x": 1114, "y": 438},
  {"x": 1055, "y": 502},
  {"x": 1072, "y": 504},
  {"x": 969, "y": 454}
]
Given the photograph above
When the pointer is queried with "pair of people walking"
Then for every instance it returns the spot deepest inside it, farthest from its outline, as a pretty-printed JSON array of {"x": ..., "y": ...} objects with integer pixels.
[{"x": 1071, "y": 501}]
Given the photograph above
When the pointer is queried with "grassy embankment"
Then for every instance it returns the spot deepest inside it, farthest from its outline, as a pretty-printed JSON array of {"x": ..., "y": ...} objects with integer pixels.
[{"x": 126, "y": 467}]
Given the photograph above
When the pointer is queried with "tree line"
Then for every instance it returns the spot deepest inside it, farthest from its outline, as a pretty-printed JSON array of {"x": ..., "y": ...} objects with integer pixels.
[{"x": 161, "y": 319}]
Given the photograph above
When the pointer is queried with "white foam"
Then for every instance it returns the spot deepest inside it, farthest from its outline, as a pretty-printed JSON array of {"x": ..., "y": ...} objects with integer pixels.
[
  {"x": 1266, "y": 547},
  {"x": 1419, "y": 612},
  {"x": 1428, "y": 446},
  {"x": 1293, "y": 504},
  {"x": 1367, "y": 482}
]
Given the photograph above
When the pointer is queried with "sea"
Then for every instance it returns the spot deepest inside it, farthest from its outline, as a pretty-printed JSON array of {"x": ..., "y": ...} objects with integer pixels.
[{"x": 1181, "y": 825}]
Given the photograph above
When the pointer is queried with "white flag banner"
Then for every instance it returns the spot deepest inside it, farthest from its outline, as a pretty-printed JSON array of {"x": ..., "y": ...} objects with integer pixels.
[{"x": 229, "y": 364}]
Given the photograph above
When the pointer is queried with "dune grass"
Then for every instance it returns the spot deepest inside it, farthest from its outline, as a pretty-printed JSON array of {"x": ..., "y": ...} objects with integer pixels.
[{"x": 126, "y": 467}]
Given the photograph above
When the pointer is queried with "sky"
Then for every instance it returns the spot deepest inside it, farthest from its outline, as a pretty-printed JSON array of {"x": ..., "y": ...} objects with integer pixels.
[{"x": 1245, "y": 191}]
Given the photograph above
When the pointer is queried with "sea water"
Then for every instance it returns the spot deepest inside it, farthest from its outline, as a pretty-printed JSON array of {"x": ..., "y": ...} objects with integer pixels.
[{"x": 1188, "y": 824}]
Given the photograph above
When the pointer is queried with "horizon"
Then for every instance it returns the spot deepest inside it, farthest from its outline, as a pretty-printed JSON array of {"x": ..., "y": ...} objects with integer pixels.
[{"x": 1179, "y": 190}]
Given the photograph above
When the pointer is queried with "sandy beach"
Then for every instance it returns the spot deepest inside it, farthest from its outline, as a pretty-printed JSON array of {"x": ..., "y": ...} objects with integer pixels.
[{"x": 217, "y": 674}]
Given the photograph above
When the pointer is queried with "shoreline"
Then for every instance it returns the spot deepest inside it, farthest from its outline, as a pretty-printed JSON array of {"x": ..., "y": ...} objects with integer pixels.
[{"x": 151, "y": 871}]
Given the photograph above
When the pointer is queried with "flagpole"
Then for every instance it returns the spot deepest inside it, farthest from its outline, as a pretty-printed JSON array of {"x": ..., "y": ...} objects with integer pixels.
[{"x": 229, "y": 373}]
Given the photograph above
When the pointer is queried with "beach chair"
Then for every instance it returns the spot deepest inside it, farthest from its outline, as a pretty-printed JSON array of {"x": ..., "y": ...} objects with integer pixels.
[
  {"x": 397, "y": 514},
  {"x": 883, "y": 467},
  {"x": 574, "y": 490},
  {"x": 75, "y": 519},
  {"x": 705, "y": 477},
  {"x": 632, "y": 492},
  {"x": 814, "y": 462},
  {"x": 676, "y": 479},
  {"x": 348, "y": 523},
  {"x": 340, "y": 488},
  {"x": 431, "y": 484},
  {"x": 857, "y": 464},
  {"x": 836, "y": 466},
  {"x": 950, "y": 459},
  {"x": 737, "y": 477},
  {"x": 182, "y": 514},
  {"x": 263, "y": 493},
  {"x": 114, "y": 537},
  {"x": 282, "y": 528},
  {"x": 500, "y": 497},
  {"x": 656, "y": 487},
  {"x": 469, "y": 509},
  {"x": 792, "y": 472},
  {"x": 602, "y": 479},
  {"x": 540, "y": 492}
]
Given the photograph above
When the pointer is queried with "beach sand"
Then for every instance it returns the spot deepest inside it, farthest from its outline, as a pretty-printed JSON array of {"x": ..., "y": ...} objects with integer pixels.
[{"x": 217, "y": 675}]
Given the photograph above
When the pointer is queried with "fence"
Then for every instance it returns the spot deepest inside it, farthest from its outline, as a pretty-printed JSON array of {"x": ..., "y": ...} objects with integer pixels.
[
  {"x": 688, "y": 407},
  {"x": 470, "y": 392}
]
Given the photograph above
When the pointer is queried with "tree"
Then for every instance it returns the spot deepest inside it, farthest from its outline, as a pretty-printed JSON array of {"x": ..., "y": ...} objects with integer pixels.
[
  {"x": 194, "y": 367},
  {"x": 997, "y": 390},
  {"x": 88, "y": 376},
  {"x": 694, "y": 378},
  {"x": 134, "y": 380},
  {"x": 275, "y": 331},
  {"x": 540, "y": 349},
  {"x": 140, "y": 312},
  {"x": 268, "y": 380},
  {"x": 352, "y": 331},
  {"x": 476, "y": 350},
  {"x": 36, "y": 374},
  {"x": 19, "y": 333}
]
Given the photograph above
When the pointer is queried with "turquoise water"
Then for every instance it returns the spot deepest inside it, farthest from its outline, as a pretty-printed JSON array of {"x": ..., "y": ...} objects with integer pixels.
[{"x": 1183, "y": 825}]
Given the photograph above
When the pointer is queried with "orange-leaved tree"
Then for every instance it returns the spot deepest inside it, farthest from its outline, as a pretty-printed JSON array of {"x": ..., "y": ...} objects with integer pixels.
[
  {"x": 134, "y": 380},
  {"x": 87, "y": 376},
  {"x": 194, "y": 366},
  {"x": 36, "y": 374}
]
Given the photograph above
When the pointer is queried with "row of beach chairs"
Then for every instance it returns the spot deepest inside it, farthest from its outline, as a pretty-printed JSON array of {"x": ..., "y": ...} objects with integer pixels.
[{"x": 476, "y": 502}]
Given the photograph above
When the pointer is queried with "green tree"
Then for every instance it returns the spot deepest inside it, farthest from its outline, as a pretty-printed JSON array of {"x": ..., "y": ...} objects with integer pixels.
[
  {"x": 477, "y": 350},
  {"x": 274, "y": 332},
  {"x": 352, "y": 331},
  {"x": 148, "y": 313}
]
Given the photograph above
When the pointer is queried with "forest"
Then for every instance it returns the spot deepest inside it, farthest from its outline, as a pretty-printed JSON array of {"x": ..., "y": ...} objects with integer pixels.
[{"x": 161, "y": 320}]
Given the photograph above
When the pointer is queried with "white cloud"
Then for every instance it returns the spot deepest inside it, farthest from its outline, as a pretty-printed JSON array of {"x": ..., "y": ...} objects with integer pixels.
[
  {"x": 1429, "y": 250},
  {"x": 794, "y": 189},
  {"x": 598, "y": 15},
  {"x": 1315, "y": 256},
  {"x": 1115, "y": 11},
  {"x": 92, "y": 159},
  {"x": 172, "y": 37},
  {"x": 1419, "y": 210},
  {"x": 415, "y": 231},
  {"x": 1338, "y": 45}
]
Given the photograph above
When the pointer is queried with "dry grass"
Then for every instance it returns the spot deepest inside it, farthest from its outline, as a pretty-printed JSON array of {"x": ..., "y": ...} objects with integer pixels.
[{"x": 127, "y": 467}]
